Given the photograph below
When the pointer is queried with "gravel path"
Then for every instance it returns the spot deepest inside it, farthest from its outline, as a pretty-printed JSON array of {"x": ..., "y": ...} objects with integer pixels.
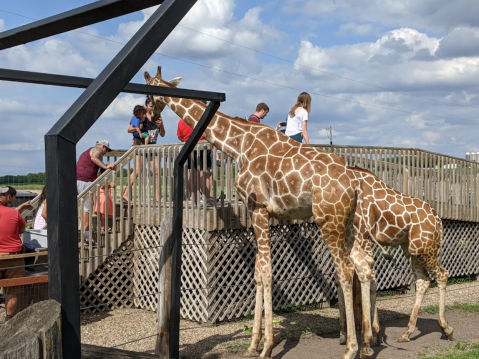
[{"x": 296, "y": 333}]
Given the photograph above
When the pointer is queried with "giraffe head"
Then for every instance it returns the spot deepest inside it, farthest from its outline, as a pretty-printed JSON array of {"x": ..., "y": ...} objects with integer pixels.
[{"x": 158, "y": 101}]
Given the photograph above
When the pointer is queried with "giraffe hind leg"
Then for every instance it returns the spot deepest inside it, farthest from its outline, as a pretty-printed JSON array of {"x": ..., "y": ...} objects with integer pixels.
[{"x": 441, "y": 276}]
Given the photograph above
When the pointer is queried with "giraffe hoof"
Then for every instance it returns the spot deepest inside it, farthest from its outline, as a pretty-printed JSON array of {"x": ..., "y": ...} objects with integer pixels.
[
  {"x": 342, "y": 340},
  {"x": 404, "y": 339},
  {"x": 366, "y": 353},
  {"x": 250, "y": 353},
  {"x": 449, "y": 331}
]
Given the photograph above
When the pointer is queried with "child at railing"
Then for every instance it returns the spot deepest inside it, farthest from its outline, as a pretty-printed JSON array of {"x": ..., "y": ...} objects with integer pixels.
[
  {"x": 101, "y": 203},
  {"x": 140, "y": 136}
]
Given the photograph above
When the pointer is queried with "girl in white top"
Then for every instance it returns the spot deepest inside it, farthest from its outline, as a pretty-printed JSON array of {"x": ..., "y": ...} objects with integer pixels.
[
  {"x": 297, "y": 123},
  {"x": 41, "y": 216}
]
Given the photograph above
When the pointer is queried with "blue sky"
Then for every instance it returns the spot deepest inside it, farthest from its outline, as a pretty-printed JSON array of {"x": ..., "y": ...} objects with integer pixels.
[{"x": 399, "y": 73}]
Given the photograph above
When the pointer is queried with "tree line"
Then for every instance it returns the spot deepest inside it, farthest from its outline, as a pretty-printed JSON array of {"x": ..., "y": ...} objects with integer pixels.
[{"x": 38, "y": 178}]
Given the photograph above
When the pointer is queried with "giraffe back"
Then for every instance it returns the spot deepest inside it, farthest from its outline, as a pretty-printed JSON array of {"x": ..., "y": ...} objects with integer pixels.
[{"x": 394, "y": 218}]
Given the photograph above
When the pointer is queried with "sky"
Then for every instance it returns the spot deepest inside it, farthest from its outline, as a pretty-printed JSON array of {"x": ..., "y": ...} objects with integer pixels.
[{"x": 398, "y": 73}]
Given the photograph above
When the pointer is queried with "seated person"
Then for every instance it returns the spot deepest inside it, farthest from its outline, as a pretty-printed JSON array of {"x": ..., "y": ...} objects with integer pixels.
[{"x": 12, "y": 225}]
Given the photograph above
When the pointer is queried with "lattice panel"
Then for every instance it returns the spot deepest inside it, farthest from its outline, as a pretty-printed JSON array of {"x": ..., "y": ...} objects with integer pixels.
[
  {"x": 193, "y": 279},
  {"x": 392, "y": 274},
  {"x": 110, "y": 285},
  {"x": 145, "y": 264},
  {"x": 218, "y": 269},
  {"x": 302, "y": 270},
  {"x": 461, "y": 248}
]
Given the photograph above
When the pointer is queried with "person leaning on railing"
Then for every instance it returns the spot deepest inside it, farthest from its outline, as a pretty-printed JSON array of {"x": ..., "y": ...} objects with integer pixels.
[
  {"x": 12, "y": 225},
  {"x": 88, "y": 165}
]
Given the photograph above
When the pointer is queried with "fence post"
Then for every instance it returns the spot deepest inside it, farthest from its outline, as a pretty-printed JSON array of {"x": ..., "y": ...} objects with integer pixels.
[{"x": 162, "y": 349}]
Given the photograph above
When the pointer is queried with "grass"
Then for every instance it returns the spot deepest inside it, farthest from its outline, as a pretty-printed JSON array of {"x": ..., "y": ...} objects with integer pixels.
[
  {"x": 470, "y": 308},
  {"x": 460, "y": 350},
  {"x": 21, "y": 187}
]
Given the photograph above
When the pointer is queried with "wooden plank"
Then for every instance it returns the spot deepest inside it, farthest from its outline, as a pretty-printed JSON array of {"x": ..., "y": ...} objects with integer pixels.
[
  {"x": 23, "y": 255},
  {"x": 4, "y": 283},
  {"x": 96, "y": 352}
]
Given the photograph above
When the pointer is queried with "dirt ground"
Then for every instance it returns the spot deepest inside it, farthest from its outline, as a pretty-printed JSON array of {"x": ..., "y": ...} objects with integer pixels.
[
  {"x": 300, "y": 334},
  {"x": 426, "y": 340}
]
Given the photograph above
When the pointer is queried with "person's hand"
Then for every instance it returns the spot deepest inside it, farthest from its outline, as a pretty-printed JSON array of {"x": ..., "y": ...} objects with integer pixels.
[
  {"x": 159, "y": 121},
  {"x": 110, "y": 166},
  {"x": 112, "y": 185}
]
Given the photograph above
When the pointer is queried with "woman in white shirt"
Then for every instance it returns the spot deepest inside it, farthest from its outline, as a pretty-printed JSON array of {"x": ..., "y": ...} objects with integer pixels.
[
  {"x": 41, "y": 216},
  {"x": 297, "y": 123}
]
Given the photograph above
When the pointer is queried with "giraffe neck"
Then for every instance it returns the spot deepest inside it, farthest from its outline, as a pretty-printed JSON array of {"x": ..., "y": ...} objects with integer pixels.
[{"x": 222, "y": 131}]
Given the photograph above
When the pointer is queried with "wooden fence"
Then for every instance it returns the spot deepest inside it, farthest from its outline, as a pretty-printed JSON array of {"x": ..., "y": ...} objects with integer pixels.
[{"x": 219, "y": 247}]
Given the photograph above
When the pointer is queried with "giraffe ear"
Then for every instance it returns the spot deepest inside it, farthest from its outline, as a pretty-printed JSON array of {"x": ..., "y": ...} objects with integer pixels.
[
  {"x": 158, "y": 73},
  {"x": 147, "y": 77},
  {"x": 176, "y": 81}
]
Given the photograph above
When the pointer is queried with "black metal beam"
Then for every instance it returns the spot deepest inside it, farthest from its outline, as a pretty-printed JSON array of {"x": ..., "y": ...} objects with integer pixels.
[
  {"x": 178, "y": 227},
  {"x": 64, "y": 284},
  {"x": 60, "y": 144},
  {"x": 71, "y": 20},
  {"x": 83, "y": 82}
]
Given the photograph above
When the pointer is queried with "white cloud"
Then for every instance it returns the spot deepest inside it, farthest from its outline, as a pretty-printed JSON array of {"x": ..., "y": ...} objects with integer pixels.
[
  {"x": 122, "y": 107},
  {"x": 352, "y": 28},
  {"x": 2, "y": 25},
  {"x": 51, "y": 56},
  {"x": 434, "y": 15},
  {"x": 195, "y": 37}
]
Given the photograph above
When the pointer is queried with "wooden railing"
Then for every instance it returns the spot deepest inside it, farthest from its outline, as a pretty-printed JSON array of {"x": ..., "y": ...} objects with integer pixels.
[{"x": 449, "y": 184}]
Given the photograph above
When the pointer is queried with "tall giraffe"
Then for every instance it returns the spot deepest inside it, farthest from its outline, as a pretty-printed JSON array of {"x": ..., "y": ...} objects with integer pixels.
[
  {"x": 390, "y": 218},
  {"x": 286, "y": 180}
]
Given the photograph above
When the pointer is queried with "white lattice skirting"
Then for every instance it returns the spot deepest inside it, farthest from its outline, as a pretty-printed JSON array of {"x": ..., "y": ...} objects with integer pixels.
[{"x": 218, "y": 268}]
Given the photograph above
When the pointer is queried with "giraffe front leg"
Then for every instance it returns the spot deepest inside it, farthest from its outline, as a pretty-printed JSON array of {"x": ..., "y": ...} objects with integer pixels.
[
  {"x": 252, "y": 351},
  {"x": 342, "y": 312},
  {"x": 263, "y": 277},
  {"x": 345, "y": 278},
  {"x": 364, "y": 273},
  {"x": 376, "y": 326},
  {"x": 421, "y": 287},
  {"x": 422, "y": 283}
]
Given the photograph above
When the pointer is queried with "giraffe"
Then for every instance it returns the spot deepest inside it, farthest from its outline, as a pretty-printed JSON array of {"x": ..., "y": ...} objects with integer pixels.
[
  {"x": 390, "y": 218},
  {"x": 287, "y": 180}
]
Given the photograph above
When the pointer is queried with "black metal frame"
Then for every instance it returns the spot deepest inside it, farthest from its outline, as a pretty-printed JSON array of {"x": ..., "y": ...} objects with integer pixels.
[{"x": 60, "y": 141}]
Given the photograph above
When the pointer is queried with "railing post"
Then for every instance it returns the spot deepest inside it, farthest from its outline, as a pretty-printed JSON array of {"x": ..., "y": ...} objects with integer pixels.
[{"x": 164, "y": 288}]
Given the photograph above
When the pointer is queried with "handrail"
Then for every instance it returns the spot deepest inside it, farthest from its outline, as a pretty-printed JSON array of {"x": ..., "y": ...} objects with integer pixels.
[{"x": 106, "y": 172}]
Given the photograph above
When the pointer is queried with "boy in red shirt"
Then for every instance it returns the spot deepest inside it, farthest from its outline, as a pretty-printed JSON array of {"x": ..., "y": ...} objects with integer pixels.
[
  {"x": 184, "y": 132},
  {"x": 11, "y": 226}
]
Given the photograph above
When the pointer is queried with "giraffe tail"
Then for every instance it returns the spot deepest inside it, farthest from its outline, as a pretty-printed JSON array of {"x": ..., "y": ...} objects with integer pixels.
[
  {"x": 441, "y": 238},
  {"x": 384, "y": 252}
]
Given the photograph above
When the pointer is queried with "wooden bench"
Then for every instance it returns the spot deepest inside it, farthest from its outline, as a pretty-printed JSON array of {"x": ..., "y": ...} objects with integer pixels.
[{"x": 29, "y": 278}]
